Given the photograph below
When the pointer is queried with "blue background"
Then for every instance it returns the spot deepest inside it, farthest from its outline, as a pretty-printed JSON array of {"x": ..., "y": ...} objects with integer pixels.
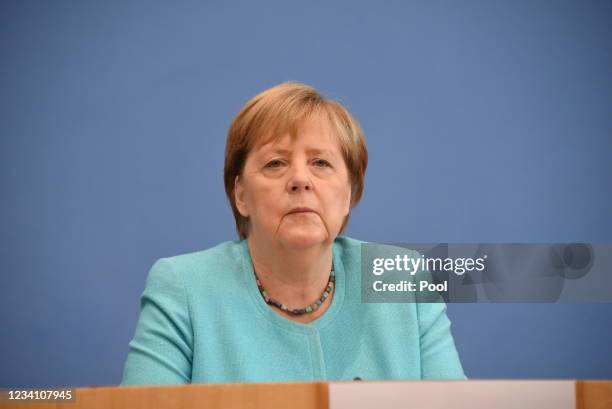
[{"x": 485, "y": 121}]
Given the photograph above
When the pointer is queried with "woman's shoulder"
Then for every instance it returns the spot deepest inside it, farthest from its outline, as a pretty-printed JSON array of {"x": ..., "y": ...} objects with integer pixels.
[
  {"x": 223, "y": 249},
  {"x": 355, "y": 246},
  {"x": 349, "y": 250},
  {"x": 217, "y": 260}
]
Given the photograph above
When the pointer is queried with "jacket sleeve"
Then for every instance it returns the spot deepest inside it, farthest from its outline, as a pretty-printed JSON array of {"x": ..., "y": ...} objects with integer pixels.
[
  {"x": 161, "y": 350},
  {"x": 439, "y": 357}
]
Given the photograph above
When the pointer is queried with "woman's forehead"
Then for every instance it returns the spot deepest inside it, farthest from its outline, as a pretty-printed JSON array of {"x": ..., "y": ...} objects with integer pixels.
[{"x": 315, "y": 133}]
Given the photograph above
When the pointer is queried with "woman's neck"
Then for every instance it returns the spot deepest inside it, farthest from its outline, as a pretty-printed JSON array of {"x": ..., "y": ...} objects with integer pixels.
[{"x": 295, "y": 277}]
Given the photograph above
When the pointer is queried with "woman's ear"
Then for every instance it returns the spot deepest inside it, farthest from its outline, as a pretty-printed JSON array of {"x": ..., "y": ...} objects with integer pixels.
[{"x": 239, "y": 197}]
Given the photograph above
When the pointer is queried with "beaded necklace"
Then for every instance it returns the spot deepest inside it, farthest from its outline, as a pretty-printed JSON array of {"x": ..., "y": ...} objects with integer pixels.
[{"x": 308, "y": 309}]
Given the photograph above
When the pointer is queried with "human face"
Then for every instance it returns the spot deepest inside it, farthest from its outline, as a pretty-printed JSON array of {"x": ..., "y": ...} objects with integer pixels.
[{"x": 295, "y": 192}]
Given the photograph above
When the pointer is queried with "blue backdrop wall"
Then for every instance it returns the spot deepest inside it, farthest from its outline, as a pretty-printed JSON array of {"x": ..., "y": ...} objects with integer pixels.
[{"x": 485, "y": 121}]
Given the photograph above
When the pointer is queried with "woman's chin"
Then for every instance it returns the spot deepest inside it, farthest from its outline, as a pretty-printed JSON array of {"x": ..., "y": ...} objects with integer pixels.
[{"x": 302, "y": 238}]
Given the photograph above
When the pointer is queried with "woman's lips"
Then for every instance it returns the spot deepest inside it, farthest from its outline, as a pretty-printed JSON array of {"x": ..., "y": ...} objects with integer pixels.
[
  {"x": 305, "y": 213},
  {"x": 301, "y": 210}
]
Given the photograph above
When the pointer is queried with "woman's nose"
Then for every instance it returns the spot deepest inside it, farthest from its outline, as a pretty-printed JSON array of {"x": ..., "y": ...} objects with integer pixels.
[{"x": 299, "y": 179}]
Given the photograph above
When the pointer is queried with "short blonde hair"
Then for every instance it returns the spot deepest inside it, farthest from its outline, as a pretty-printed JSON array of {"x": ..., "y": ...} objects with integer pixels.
[{"x": 282, "y": 109}]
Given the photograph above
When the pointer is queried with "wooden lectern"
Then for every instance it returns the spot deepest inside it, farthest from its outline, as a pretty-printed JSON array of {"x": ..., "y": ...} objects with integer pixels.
[{"x": 471, "y": 394}]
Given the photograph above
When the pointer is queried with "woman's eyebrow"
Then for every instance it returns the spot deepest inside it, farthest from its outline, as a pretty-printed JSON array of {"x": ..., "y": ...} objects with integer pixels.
[
  {"x": 266, "y": 150},
  {"x": 309, "y": 151},
  {"x": 281, "y": 151},
  {"x": 318, "y": 151}
]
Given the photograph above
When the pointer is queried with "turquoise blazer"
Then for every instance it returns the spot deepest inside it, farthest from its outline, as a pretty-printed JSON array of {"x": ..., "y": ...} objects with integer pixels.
[{"x": 203, "y": 320}]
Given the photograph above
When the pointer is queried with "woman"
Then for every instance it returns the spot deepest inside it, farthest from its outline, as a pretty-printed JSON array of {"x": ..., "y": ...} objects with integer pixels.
[{"x": 283, "y": 302}]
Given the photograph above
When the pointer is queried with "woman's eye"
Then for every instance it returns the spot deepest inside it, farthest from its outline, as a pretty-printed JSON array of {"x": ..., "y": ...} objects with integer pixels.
[
  {"x": 274, "y": 163},
  {"x": 321, "y": 163}
]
